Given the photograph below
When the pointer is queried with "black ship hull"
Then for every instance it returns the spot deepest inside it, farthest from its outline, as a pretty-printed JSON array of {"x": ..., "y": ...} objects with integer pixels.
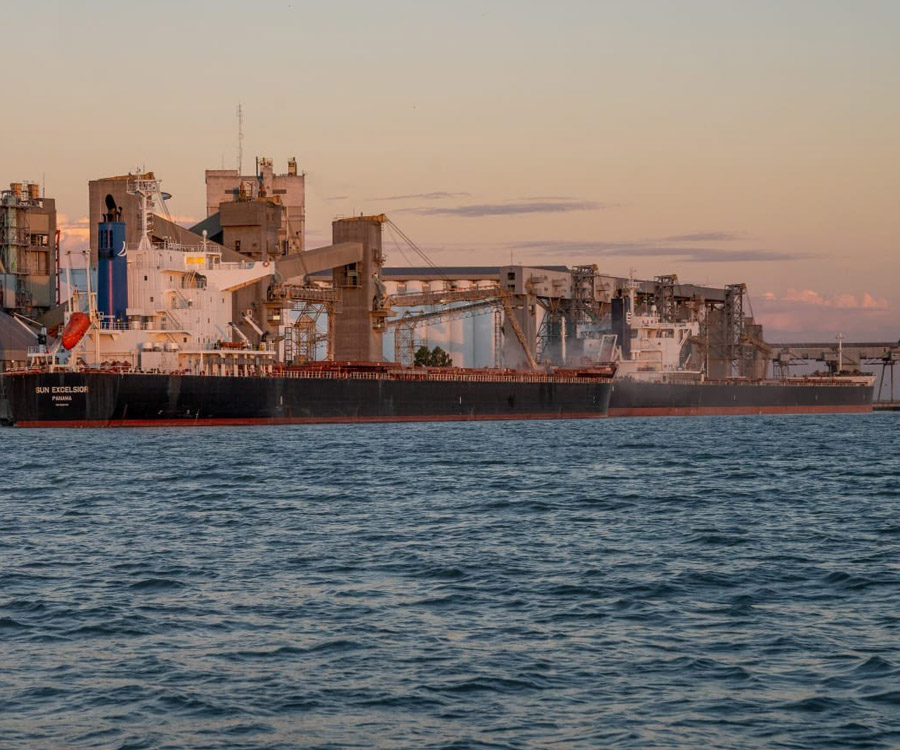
[
  {"x": 106, "y": 399},
  {"x": 635, "y": 398}
]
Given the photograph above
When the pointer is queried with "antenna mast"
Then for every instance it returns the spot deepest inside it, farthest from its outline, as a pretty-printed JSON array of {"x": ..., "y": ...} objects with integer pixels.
[
  {"x": 145, "y": 188},
  {"x": 240, "y": 149}
]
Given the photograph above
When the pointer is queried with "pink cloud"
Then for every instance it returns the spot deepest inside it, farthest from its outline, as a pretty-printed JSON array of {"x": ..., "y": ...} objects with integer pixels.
[
  {"x": 845, "y": 301},
  {"x": 806, "y": 296},
  {"x": 840, "y": 300},
  {"x": 74, "y": 234},
  {"x": 870, "y": 303},
  {"x": 804, "y": 313}
]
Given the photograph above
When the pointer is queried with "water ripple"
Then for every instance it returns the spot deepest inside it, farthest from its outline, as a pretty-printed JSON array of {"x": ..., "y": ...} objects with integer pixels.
[{"x": 673, "y": 583}]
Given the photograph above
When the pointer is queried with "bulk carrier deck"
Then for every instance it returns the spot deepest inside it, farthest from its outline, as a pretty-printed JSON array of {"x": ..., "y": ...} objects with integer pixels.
[
  {"x": 315, "y": 394},
  {"x": 811, "y": 395}
]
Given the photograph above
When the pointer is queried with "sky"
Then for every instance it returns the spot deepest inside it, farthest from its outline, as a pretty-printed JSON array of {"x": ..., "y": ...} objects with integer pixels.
[{"x": 720, "y": 140}]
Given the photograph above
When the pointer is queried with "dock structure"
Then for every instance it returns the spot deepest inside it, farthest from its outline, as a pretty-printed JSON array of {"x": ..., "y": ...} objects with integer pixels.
[
  {"x": 838, "y": 353},
  {"x": 557, "y": 308},
  {"x": 846, "y": 356}
]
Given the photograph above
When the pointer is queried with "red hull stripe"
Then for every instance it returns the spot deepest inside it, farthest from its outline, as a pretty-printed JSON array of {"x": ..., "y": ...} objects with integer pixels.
[
  {"x": 700, "y": 411},
  {"x": 233, "y": 422}
]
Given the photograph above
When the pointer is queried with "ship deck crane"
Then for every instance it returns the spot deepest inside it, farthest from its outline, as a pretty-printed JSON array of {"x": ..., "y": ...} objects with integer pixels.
[
  {"x": 248, "y": 319},
  {"x": 240, "y": 333}
]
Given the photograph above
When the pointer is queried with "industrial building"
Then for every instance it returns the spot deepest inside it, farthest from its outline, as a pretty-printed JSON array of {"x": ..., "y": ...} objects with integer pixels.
[
  {"x": 260, "y": 216},
  {"x": 28, "y": 250},
  {"x": 29, "y": 271},
  {"x": 558, "y": 314}
]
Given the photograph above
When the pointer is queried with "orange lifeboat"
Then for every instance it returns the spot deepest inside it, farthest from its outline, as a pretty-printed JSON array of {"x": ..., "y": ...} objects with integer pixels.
[{"x": 76, "y": 328}]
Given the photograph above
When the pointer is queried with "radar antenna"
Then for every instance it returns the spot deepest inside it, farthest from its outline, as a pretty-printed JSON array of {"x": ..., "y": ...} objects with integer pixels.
[
  {"x": 240, "y": 141},
  {"x": 145, "y": 187}
]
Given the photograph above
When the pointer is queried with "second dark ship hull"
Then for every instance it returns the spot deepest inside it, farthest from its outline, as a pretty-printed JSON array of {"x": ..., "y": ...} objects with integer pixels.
[
  {"x": 637, "y": 398},
  {"x": 107, "y": 399}
]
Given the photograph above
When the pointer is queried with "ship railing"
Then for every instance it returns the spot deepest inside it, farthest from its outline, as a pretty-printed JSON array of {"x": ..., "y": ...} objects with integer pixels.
[
  {"x": 395, "y": 376},
  {"x": 241, "y": 265},
  {"x": 798, "y": 381},
  {"x": 114, "y": 325},
  {"x": 180, "y": 247},
  {"x": 194, "y": 264},
  {"x": 439, "y": 377}
]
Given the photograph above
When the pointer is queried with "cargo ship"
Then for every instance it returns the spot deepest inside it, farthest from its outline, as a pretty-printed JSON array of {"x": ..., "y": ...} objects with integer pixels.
[
  {"x": 657, "y": 375},
  {"x": 316, "y": 394},
  {"x": 152, "y": 347},
  {"x": 160, "y": 342}
]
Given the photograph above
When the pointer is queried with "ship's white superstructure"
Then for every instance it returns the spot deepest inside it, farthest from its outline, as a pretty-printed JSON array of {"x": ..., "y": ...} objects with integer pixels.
[
  {"x": 660, "y": 349},
  {"x": 180, "y": 308}
]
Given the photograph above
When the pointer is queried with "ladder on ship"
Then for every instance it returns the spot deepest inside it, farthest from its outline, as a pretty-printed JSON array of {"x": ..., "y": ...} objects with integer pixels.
[{"x": 290, "y": 348}]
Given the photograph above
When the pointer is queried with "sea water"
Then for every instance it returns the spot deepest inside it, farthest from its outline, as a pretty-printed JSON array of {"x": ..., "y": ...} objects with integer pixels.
[{"x": 725, "y": 582}]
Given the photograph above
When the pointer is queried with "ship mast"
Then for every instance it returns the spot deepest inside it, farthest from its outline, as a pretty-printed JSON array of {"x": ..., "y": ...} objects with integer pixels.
[
  {"x": 144, "y": 188},
  {"x": 632, "y": 289}
]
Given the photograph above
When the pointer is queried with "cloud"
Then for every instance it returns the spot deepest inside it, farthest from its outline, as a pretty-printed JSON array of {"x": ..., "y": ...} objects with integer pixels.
[
  {"x": 800, "y": 313},
  {"x": 706, "y": 237},
  {"x": 337, "y": 197},
  {"x": 870, "y": 303},
  {"x": 807, "y": 296},
  {"x": 435, "y": 196},
  {"x": 658, "y": 248},
  {"x": 846, "y": 302},
  {"x": 720, "y": 255},
  {"x": 559, "y": 247},
  {"x": 480, "y": 210},
  {"x": 840, "y": 300},
  {"x": 74, "y": 234}
]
